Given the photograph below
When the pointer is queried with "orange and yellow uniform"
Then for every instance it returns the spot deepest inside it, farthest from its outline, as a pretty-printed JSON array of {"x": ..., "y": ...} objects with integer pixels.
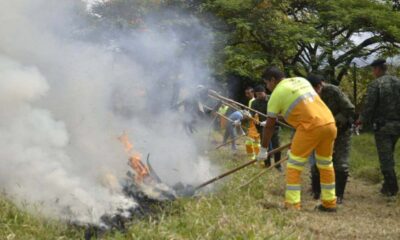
[
  {"x": 253, "y": 141},
  {"x": 297, "y": 101}
]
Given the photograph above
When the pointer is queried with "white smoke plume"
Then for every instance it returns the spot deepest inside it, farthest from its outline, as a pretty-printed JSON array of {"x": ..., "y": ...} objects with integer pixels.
[{"x": 69, "y": 87}]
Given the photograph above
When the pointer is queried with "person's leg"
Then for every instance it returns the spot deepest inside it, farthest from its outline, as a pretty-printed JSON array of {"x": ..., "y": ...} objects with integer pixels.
[
  {"x": 302, "y": 145},
  {"x": 249, "y": 148},
  {"x": 385, "y": 144},
  {"x": 256, "y": 145},
  {"x": 234, "y": 135},
  {"x": 341, "y": 162},
  {"x": 315, "y": 182},
  {"x": 228, "y": 132},
  {"x": 323, "y": 155}
]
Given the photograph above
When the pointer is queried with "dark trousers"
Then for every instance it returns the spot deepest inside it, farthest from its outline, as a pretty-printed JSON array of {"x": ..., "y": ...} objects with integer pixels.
[
  {"x": 385, "y": 144},
  {"x": 230, "y": 132}
]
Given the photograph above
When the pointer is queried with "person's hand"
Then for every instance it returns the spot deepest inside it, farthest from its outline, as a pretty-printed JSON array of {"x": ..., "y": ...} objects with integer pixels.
[
  {"x": 341, "y": 120},
  {"x": 263, "y": 154},
  {"x": 236, "y": 123}
]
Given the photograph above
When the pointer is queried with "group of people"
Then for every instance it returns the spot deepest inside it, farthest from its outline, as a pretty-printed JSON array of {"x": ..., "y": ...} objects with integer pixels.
[{"x": 322, "y": 117}]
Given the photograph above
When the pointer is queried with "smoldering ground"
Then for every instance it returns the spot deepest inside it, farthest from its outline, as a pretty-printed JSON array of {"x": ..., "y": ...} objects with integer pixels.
[{"x": 71, "y": 82}]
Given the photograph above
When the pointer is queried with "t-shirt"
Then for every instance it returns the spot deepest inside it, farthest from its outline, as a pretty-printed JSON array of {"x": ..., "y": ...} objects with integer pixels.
[
  {"x": 261, "y": 106},
  {"x": 237, "y": 115},
  {"x": 300, "y": 105}
]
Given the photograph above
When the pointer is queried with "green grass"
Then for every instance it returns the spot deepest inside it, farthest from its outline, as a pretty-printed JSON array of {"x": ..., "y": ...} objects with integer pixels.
[
  {"x": 364, "y": 163},
  {"x": 254, "y": 212}
]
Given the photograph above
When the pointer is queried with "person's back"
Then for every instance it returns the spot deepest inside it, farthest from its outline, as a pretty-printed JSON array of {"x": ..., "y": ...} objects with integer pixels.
[
  {"x": 338, "y": 103},
  {"x": 236, "y": 115},
  {"x": 387, "y": 90},
  {"x": 300, "y": 105}
]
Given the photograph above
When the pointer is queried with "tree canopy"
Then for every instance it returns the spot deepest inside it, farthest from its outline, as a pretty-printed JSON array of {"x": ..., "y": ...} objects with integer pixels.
[
  {"x": 301, "y": 36},
  {"x": 305, "y": 35}
]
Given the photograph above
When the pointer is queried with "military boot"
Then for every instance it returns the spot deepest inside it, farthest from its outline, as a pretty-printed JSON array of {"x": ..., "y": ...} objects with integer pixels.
[
  {"x": 390, "y": 186},
  {"x": 340, "y": 185},
  {"x": 315, "y": 182}
]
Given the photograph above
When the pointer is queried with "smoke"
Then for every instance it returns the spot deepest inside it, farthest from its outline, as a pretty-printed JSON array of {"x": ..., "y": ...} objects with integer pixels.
[{"x": 71, "y": 82}]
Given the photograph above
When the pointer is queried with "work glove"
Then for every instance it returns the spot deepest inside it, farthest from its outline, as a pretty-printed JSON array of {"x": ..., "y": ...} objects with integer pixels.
[
  {"x": 263, "y": 154},
  {"x": 262, "y": 124},
  {"x": 236, "y": 123}
]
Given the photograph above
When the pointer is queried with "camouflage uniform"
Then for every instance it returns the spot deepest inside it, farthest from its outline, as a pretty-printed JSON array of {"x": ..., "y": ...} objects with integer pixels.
[
  {"x": 343, "y": 111},
  {"x": 382, "y": 112}
]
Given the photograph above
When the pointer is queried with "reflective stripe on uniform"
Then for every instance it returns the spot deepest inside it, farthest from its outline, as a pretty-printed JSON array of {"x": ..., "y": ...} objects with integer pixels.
[
  {"x": 296, "y": 162},
  {"x": 297, "y": 101},
  {"x": 327, "y": 186},
  {"x": 323, "y": 162},
  {"x": 291, "y": 187}
]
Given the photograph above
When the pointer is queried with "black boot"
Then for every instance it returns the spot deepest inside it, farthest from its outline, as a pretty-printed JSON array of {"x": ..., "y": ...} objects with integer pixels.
[
  {"x": 390, "y": 186},
  {"x": 340, "y": 185},
  {"x": 267, "y": 162},
  {"x": 315, "y": 182}
]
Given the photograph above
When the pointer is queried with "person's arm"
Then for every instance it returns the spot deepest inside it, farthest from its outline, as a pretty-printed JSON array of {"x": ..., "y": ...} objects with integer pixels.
[
  {"x": 273, "y": 110},
  {"x": 268, "y": 131},
  {"x": 370, "y": 103},
  {"x": 346, "y": 113}
]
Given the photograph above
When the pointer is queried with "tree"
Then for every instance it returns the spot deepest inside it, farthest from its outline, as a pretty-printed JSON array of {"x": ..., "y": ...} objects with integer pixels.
[{"x": 306, "y": 35}]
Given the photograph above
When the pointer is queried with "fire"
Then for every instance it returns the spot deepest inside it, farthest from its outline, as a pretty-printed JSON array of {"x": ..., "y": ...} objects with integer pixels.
[{"x": 135, "y": 161}]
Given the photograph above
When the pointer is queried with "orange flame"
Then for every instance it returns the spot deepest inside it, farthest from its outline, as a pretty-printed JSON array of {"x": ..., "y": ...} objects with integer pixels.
[{"x": 135, "y": 162}]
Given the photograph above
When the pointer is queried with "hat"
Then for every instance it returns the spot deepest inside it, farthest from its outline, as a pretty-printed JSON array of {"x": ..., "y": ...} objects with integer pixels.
[
  {"x": 378, "y": 62},
  {"x": 315, "y": 79}
]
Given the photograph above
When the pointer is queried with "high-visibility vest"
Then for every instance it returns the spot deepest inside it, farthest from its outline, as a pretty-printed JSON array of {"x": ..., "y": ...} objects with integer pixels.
[{"x": 252, "y": 130}]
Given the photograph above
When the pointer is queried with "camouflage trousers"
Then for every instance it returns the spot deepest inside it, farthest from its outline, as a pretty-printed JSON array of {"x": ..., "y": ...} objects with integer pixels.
[
  {"x": 341, "y": 151},
  {"x": 385, "y": 144}
]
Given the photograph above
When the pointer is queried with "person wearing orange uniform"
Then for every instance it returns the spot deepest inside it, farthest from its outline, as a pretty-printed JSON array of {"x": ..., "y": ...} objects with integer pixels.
[
  {"x": 253, "y": 141},
  {"x": 299, "y": 104}
]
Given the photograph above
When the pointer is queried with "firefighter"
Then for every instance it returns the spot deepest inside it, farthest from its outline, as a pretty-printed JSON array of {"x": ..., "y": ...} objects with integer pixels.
[
  {"x": 253, "y": 137},
  {"x": 296, "y": 100}
]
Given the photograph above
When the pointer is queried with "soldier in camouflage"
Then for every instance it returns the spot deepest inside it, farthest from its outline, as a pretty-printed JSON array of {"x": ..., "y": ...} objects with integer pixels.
[
  {"x": 382, "y": 112},
  {"x": 343, "y": 111}
]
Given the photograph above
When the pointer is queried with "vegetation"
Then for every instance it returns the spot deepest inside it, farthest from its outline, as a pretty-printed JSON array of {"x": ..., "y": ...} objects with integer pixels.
[
  {"x": 305, "y": 36},
  {"x": 254, "y": 212},
  {"x": 301, "y": 36}
]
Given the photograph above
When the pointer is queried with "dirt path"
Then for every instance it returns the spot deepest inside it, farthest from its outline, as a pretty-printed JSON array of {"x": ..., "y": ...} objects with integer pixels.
[{"x": 365, "y": 214}]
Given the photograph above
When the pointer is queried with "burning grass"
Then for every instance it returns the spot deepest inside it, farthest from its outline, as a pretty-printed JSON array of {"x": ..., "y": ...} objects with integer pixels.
[{"x": 251, "y": 213}]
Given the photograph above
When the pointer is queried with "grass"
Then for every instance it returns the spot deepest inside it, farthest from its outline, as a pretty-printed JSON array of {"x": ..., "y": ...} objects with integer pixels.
[{"x": 251, "y": 213}]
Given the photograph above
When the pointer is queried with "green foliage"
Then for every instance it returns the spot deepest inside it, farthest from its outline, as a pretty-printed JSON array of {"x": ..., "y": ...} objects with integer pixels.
[{"x": 305, "y": 36}]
